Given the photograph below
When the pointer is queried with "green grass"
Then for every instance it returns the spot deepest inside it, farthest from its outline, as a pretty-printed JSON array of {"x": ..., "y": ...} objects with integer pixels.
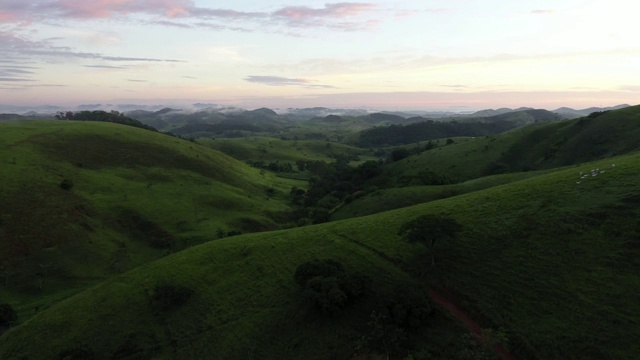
[
  {"x": 127, "y": 182},
  {"x": 548, "y": 256},
  {"x": 534, "y": 147},
  {"x": 394, "y": 198},
  {"x": 552, "y": 261},
  {"x": 245, "y": 304},
  {"x": 271, "y": 149}
]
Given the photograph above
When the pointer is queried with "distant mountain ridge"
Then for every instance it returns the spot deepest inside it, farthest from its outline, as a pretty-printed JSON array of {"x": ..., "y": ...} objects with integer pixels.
[
  {"x": 570, "y": 113},
  {"x": 421, "y": 129},
  {"x": 306, "y": 113}
]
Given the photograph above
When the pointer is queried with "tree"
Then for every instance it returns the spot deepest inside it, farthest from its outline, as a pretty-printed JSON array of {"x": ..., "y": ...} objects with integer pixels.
[
  {"x": 7, "y": 315},
  {"x": 429, "y": 229},
  {"x": 166, "y": 297},
  {"x": 66, "y": 184},
  {"x": 398, "y": 154},
  {"x": 327, "y": 287},
  {"x": 408, "y": 307}
]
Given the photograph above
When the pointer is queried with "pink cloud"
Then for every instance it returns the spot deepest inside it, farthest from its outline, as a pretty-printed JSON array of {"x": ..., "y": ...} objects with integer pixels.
[
  {"x": 6, "y": 16},
  {"x": 200, "y": 12},
  {"x": 344, "y": 16},
  {"x": 13, "y": 10},
  {"x": 107, "y": 8},
  {"x": 330, "y": 10},
  {"x": 338, "y": 16},
  {"x": 17, "y": 10}
]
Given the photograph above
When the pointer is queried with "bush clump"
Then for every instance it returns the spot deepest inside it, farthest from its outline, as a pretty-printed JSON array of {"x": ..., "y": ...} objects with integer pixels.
[
  {"x": 66, "y": 184},
  {"x": 328, "y": 287},
  {"x": 7, "y": 315},
  {"x": 167, "y": 297},
  {"x": 408, "y": 307}
]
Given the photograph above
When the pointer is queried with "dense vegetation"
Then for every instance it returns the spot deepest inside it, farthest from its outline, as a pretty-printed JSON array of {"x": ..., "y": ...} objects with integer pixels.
[
  {"x": 539, "y": 259},
  {"x": 103, "y": 116}
]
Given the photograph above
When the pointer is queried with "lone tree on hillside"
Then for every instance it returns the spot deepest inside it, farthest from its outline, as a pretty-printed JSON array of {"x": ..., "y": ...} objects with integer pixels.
[{"x": 429, "y": 229}]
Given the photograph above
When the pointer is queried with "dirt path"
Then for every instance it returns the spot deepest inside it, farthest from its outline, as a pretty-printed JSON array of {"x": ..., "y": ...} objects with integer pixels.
[
  {"x": 439, "y": 299},
  {"x": 468, "y": 322}
]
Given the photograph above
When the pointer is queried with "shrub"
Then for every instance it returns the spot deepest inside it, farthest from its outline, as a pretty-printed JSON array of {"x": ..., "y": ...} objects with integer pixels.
[
  {"x": 66, "y": 184},
  {"x": 409, "y": 308},
  {"x": 168, "y": 297},
  {"x": 326, "y": 295},
  {"x": 327, "y": 287},
  {"x": 7, "y": 315}
]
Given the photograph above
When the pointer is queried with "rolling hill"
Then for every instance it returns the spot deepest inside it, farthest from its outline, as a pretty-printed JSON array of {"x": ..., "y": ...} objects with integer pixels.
[
  {"x": 533, "y": 147},
  {"x": 421, "y": 129},
  {"x": 115, "y": 245},
  {"x": 551, "y": 260},
  {"x": 82, "y": 201}
]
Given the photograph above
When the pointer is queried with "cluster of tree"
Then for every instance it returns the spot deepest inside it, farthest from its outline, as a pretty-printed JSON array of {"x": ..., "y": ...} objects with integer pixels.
[
  {"x": 227, "y": 128},
  {"x": 595, "y": 114},
  {"x": 327, "y": 287},
  {"x": 399, "y": 315},
  {"x": 429, "y": 130},
  {"x": 7, "y": 315},
  {"x": 393, "y": 328},
  {"x": 103, "y": 116},
  {"x": 336, "y": 183},
  {"x": 274, "y": 166},
  {"x": 402, "y": 153},
  {"x": 330, "y": 185}
]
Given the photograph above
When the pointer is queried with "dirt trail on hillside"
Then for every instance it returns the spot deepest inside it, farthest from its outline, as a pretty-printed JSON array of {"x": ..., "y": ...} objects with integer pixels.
[
  {"x": 468, "y": 322},
  {"x": 439, "y": 299}
]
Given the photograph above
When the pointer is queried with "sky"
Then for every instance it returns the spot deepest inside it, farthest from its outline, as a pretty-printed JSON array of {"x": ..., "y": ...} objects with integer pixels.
[{"x": 431, "y": 55}]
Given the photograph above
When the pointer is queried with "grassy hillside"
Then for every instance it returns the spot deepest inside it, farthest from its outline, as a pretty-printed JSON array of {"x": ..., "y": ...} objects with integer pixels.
[
  {"x": 534, "y": 147},
  {"x": 244, "y": 304},
  {"x": 134, "y": 196},
  {"x": 552, "y": 259},
  {"x": 394, "y": 198},
  {"x": 271, "y": 149}
]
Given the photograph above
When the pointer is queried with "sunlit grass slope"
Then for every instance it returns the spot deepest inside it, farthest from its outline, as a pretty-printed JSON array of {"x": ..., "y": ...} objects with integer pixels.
[
  {"x": 552, "y": 261},
  {"x": 136, "y": 195}
]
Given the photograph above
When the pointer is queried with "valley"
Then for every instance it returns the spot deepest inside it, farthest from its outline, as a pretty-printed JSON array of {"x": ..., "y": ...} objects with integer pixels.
[{"x": 121, "y": 242}]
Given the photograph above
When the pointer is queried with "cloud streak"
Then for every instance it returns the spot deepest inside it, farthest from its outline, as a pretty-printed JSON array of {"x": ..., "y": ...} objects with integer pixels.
[
  {"x": 13, "y": 79},
  {"x": 105, "y": 67},
  {"x": 17, "y": 46},
  {"x": 284, "y": 81},
  {"x": 276, "y": 80},
  {"x": 342, "y": 16}
]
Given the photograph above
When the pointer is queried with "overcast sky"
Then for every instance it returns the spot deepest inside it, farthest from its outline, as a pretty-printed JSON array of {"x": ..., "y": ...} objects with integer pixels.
[{"x": 439, "y": 54}]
